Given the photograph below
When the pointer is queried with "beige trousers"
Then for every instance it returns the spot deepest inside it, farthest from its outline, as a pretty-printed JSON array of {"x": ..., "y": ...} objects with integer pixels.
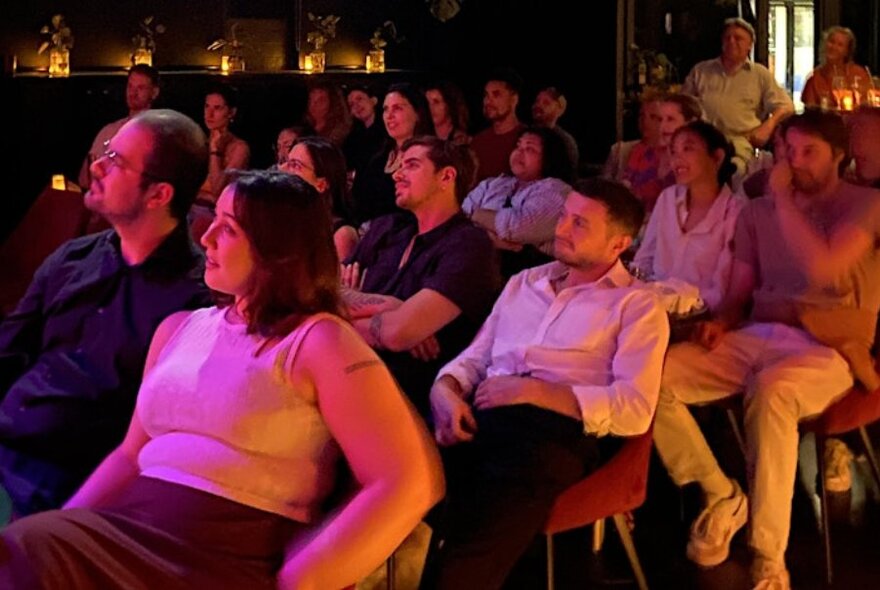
[{"x": 784, "y": 376}]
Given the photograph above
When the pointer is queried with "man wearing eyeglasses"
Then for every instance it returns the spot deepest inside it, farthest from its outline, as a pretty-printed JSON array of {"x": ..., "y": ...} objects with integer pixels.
[
  {"x": 72, "y": 353},
  {"x": 141, "y": 91}
]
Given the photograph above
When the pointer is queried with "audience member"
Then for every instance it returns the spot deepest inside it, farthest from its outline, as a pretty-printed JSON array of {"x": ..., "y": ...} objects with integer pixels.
[
  {"x": 493, "y": 145},
  {"x": 839, "y": 48},
  {"x": 449, "y": 112},
  {"x": 520, "y": 209},
  {"x": 636, "y": 164},
  {"x": 739, "y": 96},
  {"x": 405, "y": 115},
  {"x": 806, "y": 258},
  {"x": 141, "y": 91},
  {"x": 675, "y": 110},
  {"x": 286, "y": 138},
  {"x": 755, "y": 184},
  {"x": 689, "y": 236},
  {"x": 73, "y": 350},
  {"x": 227, "y": 152},
  {"x": 320, "y": 163},
  {"x": 548, "y": 108},
  {"x": 652, "y": 173},
  {"x": 427, "y": 275},
  {"x": 244, "y": 414},
  {"x": 368, "y": 134},
  {"x": 571, "y": 353},
  {"x": 865, "y": 131},
  {"x": 327, "y": 112}
]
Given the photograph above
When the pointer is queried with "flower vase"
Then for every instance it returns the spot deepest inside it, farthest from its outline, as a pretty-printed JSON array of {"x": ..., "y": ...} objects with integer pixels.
[
  {"x": 232, "y": 62},
  {"x": 142, "y": 55},
  {"x": 314, "y": 62},
  {"x": 59, "y": 62},
  {"x": 376, "y": 61}
]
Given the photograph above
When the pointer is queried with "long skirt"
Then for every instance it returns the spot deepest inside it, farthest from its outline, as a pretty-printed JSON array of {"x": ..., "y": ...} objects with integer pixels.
[{"x": 157, "y": 535}]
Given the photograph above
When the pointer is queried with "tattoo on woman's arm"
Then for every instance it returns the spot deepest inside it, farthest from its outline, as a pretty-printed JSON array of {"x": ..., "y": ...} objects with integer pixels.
[
  {"x": 376, "y": 330},
  {"x": 361, "y": 365}
]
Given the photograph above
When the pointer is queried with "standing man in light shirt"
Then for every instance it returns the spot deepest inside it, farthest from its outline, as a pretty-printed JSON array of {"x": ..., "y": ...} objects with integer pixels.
[
  {"x": 739, "y": 97},
  {"x": 572, "y": 352},
  {"x": 141, "y": 92}
]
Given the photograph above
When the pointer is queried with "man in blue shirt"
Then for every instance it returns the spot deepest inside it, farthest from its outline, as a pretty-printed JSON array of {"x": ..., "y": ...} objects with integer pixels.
[{"x": 72, "y": 353}]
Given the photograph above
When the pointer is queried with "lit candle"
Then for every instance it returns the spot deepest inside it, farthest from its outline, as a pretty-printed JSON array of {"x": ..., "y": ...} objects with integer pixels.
[
  {"x": 847, "y": 102},
  {"x": 307, "y": 63},
  {"x": 369, "y": 65},
  {"x": 224, "y": 64}
]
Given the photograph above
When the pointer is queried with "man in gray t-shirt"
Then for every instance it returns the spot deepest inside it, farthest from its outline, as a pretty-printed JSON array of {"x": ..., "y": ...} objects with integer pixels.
[{"x": 806, "y": 256}]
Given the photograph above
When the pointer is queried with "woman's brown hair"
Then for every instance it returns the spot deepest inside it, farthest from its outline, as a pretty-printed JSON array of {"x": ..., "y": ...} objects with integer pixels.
[{"x": 296, "y": 271}]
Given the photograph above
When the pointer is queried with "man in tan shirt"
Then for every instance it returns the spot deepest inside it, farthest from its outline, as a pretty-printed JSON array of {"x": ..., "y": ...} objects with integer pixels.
[{"x": 739, "y": 97}]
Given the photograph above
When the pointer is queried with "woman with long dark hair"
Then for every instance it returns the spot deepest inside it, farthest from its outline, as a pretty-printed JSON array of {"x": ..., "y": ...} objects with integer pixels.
[
  {"x": 405, "y": 115},
  {"x": 227, "y": 151},
  {"x": 322, "y": 165}
]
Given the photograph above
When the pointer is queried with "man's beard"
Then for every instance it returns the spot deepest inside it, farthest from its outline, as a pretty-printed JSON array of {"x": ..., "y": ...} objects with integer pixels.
[{"x": 806, "y": 183}]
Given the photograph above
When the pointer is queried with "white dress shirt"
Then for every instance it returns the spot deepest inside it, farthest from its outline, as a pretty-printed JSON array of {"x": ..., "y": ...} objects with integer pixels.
[
  {"x": 605, "y": 339},
  {"x": 702, "y": 256}
]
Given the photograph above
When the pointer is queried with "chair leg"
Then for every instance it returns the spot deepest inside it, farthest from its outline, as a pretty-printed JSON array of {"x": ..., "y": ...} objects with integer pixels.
[
  {"x": 551, "y": 578},
  {"x": 823, "y": 497},
  {"x": 630, "y": 548},
  {"x": 598, "y": 535},
  {"x": 389, "y": 572},
  {"x": 872, "y": 457},
  {"x": 737, "y": 431}
]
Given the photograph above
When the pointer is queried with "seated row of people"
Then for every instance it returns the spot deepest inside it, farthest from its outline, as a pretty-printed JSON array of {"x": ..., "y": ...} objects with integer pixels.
[
  {"x": 529, "y": 377},
  {"x": 199, "y": 432}
]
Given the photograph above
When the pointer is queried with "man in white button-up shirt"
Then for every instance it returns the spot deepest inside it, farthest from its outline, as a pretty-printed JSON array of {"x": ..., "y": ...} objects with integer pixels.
[{"x": 572, "y": 351}]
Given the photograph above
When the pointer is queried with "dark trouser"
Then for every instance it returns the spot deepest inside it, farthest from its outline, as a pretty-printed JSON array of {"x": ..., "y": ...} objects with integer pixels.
[
  {"x": 156, "y": 534},
  {"x": 500, "y": 489}
]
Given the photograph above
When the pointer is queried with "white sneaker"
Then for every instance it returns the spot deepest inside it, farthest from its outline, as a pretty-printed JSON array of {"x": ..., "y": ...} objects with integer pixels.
[
  {"x": 838, "y": 461},
  {"x": 713, "y": 530},
  {"x": 768, "y": 575}
]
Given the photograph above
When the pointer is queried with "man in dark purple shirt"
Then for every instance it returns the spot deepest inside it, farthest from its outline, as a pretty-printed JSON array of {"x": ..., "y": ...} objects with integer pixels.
[
  {"x": 72, "y": 353},
  {"x": 428, "y": 276}
]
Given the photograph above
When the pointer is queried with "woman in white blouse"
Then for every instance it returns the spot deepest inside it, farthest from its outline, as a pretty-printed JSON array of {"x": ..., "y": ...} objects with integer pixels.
[{"x": 691, "y": 229}]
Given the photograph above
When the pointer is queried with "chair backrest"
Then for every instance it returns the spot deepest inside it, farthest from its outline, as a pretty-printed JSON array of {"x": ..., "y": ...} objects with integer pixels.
[
  {"x": 55, "y": 217},
  {"x": 619, "y": 485}
]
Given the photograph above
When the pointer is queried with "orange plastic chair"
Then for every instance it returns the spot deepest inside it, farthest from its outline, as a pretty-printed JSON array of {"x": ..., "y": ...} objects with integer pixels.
[
  {"x": 617, "y": 487},
  {"x": 854, "y": 411}
]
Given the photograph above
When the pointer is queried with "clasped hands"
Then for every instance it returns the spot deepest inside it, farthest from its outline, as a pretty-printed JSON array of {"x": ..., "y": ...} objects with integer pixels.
[{"x": 454, "y": 420}]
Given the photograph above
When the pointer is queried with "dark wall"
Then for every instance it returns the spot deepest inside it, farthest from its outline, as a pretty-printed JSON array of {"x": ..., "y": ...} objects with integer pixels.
[{"x": 548, "y": 41}]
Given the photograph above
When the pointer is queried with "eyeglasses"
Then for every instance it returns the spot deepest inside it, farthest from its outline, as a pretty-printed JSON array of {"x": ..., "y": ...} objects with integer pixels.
[
  {"x": 116, "y": 159},
  {"x": 294, "y": 165}
]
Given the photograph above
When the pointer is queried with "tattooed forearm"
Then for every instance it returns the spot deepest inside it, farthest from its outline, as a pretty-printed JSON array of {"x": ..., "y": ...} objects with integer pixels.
[
  {"x": 376, "y": 330},
  {"x": 356, "y": 300},
  {"x": 361, "y": 365}
]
